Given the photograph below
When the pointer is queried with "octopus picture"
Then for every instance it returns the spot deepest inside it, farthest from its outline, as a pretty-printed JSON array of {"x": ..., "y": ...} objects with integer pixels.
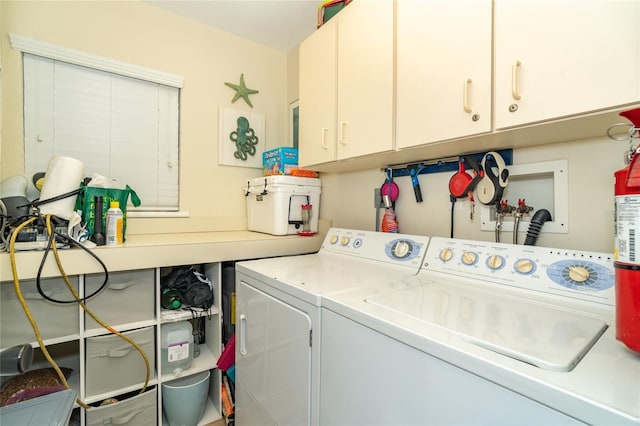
[{"x": 245, "y": 139}]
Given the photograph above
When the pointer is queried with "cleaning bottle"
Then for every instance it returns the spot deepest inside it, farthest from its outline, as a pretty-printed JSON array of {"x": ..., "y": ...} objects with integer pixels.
[
  {"x": 114, "y": 224},
  {"x": 98, "y": 236}
]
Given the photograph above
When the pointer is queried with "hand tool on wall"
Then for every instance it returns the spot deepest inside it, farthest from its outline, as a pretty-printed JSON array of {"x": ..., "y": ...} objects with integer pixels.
[
  {"x": 499, "y": 218},
  {"x": 462, "y": 184},
  {"x": 389, "y": 222},
  {"x": 389, "y": 192},
  {"x": 414, "y": 170},
  {"x": 491, "y": 187}
]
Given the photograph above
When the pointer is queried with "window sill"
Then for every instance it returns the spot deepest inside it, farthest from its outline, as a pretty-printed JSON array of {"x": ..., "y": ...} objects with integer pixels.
[{"x": 133, "y": 213}]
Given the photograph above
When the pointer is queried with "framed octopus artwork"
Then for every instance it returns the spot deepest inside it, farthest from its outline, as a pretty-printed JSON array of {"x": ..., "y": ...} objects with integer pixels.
[{"x": 242, "y": 138}]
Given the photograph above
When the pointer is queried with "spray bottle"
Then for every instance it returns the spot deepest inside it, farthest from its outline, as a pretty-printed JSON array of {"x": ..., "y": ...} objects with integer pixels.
[{"x": 114, "y": 224}]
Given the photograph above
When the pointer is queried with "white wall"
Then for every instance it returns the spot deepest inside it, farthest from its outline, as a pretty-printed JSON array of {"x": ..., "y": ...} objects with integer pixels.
[
  {"x": 142, "y": 34},
  {"x": 347, "y": 198}
]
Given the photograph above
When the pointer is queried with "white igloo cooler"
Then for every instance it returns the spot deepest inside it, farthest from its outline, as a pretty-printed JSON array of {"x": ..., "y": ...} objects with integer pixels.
[{"x": 274, "y": 203}]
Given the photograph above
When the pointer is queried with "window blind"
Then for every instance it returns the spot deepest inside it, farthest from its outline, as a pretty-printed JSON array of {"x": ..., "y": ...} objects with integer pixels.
[{"x": 119, "y": 126}]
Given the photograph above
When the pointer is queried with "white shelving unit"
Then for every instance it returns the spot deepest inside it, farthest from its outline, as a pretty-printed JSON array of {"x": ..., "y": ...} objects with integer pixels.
[{"x": 70, "y": 343}]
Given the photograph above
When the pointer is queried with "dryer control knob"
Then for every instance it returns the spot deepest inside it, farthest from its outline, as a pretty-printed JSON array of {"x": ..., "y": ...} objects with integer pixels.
[
  {"x": 345, "y": 241},
  {"x": 524, "y": 266},
  {"x": 578, "y": 274},
  {"x": 446, "y": 254},
  {"x": 401, "y": 249},
  {"x": 469, "y": 258},
  {"x": 333, "y": 239},
  {"x": 495, "y": 262}
]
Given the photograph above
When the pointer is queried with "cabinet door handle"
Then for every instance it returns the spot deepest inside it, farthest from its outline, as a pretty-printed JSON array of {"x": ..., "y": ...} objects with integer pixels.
[
  {"x": 243, "y": 332},
  {"x": 123, "y": 285},
  {"x": 343, "y": 125},
  {"x": 514, "y": 80},
  {"x": 116, "y": 353},
  {"x": 35, "y": 295},
  {"x": 465, "y": 95},
  {"x": 323, "y": 138},
  {"x": 123, "y": 420}
]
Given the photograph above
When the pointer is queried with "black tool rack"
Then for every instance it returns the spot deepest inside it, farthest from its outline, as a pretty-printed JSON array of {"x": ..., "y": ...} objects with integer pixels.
[{"x": 441, "y": 164}]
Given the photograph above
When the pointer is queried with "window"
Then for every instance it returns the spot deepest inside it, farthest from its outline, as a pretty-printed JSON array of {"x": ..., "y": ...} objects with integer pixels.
[{"x": 120, "y": 122}]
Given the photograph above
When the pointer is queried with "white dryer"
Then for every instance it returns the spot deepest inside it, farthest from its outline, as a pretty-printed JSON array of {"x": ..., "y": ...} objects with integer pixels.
[
  {"x": 485, "y": 333},
  {"x": 278, "y": 318}
]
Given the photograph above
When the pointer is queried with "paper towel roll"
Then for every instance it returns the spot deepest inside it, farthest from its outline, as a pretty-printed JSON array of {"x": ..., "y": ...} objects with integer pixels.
[{"x": 64, "y": 174}]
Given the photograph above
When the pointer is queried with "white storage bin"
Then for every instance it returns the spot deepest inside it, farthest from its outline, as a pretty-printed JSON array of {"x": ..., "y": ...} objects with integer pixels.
[
  {"x": 112, "y": 363},
  {"x": 53, "y": 319},
  {"x": 139, "y": 410},
  {"x": 274, "y": 203},
  {"x": 128, "y": 297}
]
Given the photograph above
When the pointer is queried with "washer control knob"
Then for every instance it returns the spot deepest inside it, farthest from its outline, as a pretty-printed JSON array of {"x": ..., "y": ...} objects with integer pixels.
[
  {"x": 401, "y": 249},
  {"x": 495, "y": 262},
  {"x": 345, "y": 241},
  {"x": 578, "y": 274},
  {"x": 524, "y": 266},
  {"x": 333, "y": 239},
  {"x": 446, "y": 254},
  {"x": 469, "y": 258}
]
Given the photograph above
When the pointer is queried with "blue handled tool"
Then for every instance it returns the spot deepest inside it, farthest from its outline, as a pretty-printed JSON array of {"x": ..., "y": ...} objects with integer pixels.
[{"x": 414, "y": 171}]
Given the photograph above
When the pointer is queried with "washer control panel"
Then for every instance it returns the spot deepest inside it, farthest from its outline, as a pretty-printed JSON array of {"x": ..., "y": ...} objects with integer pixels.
[
  {"x": 570, "y": 273},
  {"x": 399, "y": 249}
]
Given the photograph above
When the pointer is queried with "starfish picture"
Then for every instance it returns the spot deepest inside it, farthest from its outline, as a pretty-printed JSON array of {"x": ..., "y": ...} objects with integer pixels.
[{"x": 241, "y": 91}]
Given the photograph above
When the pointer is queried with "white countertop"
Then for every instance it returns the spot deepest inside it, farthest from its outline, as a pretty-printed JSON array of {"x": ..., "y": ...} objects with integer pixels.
[{"x": 157, "y": 250}]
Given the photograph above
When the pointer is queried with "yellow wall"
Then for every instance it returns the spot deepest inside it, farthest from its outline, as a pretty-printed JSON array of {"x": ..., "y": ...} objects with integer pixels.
[{"x": 141, "y": 34}]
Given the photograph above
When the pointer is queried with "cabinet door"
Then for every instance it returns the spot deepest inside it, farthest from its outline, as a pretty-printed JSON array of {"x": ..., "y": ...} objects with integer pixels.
[
  {"x": 317, "y": 125},
  {"x": 273, "y": 360},
  {"x": 556, "y": 58},
  {"x": 365, "y": 78},
  {"x": 443, "y": 54}
]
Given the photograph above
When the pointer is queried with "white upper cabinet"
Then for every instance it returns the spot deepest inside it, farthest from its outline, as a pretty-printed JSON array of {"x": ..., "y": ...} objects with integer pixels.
[
  {"x": 317, "y": 92},
  {"x": 443, "y": 54},
  {"x": 346, "y": 85},
  {"x": 558, "y": 58}
]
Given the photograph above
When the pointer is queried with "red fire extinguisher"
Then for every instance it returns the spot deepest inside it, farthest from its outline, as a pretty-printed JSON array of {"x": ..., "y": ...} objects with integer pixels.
[{"x": 627, "y": 242}]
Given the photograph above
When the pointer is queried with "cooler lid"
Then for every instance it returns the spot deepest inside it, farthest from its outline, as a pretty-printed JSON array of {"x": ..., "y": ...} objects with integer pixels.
[
  {"x": 283, "y": 180},
  {"x": 539, "y": 334}
]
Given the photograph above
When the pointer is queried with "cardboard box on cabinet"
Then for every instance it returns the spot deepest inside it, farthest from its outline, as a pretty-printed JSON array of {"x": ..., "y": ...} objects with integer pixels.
[{"x": 279, "y": 161}]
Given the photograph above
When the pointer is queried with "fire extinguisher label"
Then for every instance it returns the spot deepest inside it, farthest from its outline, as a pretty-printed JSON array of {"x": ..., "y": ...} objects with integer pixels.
[{"x": 627, "y": 217}]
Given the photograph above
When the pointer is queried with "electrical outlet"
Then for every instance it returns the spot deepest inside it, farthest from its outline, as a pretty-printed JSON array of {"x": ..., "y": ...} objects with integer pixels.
[{"x": 377, "y": 199}]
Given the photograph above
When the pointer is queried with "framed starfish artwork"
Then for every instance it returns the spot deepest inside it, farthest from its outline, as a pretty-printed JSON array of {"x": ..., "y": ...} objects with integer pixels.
[{"x": 241, "y": 139}]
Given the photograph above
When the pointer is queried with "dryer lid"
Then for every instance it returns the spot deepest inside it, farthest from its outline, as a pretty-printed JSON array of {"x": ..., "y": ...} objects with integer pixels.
[{"x": 536, "y": 333}]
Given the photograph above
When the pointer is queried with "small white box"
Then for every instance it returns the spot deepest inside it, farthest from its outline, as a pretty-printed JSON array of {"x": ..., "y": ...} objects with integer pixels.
[{"x": 274, "y": 203}]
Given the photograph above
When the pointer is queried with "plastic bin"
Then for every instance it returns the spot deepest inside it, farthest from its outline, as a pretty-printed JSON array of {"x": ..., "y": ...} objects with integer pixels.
[{"x": 184, "y": 399}]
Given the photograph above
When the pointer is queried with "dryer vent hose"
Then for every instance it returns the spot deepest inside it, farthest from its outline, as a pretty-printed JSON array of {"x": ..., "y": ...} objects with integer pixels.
[{"x": 538, "y": 219}]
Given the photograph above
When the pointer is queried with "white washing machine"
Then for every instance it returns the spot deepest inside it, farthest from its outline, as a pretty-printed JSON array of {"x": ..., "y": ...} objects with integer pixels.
[
  {"x": 278, "y": 318},
  {"x": 485, "y": 333}
]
